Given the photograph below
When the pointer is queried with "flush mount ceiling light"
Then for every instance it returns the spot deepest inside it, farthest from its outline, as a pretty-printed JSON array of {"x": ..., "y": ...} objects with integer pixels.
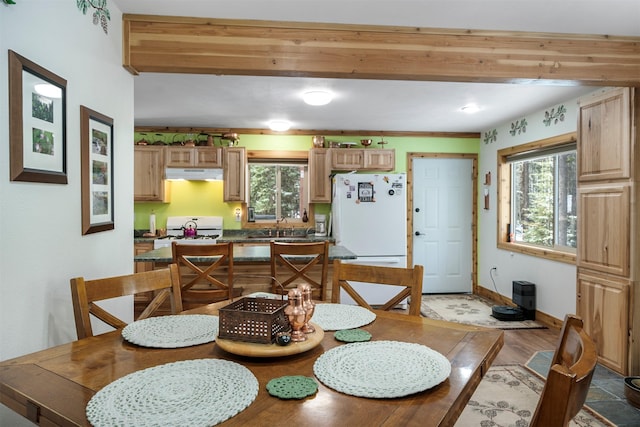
[
  {"x": 279, "y": 125},
  {"x": 48, "y": 90},
  {"x": 317, "y": 97},
  {"x": 470, "y": 109}
]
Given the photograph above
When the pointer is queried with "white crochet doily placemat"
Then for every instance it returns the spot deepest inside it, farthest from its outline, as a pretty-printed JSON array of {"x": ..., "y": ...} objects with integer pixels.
[
  {"x": 334, "y": 317},
  {"x": 381, "y": 369},
  {"x": 172, "y": 331},
  {"x": 202, "y": 392}
]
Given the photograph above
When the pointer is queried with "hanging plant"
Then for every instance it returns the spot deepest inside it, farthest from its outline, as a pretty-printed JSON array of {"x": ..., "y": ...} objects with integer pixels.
[
  {"x": 101, "y": 14},
  {"x": 9, "y": 2}
]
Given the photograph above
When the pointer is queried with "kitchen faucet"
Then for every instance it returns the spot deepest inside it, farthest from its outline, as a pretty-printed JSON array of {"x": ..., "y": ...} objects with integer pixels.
[{"x": 278, "y": 221}]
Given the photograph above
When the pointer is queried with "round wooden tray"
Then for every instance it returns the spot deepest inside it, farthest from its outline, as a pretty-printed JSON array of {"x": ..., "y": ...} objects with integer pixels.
[{"x": 271, "y": 350}]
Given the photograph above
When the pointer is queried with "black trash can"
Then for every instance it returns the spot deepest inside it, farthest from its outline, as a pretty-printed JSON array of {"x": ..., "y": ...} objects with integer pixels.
[{"x": 524, "y": 296}]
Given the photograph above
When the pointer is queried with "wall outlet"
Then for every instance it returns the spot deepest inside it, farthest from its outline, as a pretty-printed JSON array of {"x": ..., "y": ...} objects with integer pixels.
[{"x": 494, "y": 270}]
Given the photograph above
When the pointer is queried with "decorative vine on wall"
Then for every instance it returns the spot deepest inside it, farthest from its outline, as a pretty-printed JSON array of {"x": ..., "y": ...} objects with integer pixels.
[
  {"x": 101, "y": 14},
  {"x": 554, "y": 116},
  {"x": 491, "y": 136},
  {"x": 520, "y": 126}
]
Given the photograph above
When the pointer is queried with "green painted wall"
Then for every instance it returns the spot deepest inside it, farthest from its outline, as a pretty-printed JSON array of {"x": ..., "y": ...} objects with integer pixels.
[{"x": 205, "y": 198}]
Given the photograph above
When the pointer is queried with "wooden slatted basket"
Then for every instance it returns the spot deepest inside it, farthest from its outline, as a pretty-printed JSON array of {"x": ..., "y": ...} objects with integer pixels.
[{"x": 256, "y": 320}]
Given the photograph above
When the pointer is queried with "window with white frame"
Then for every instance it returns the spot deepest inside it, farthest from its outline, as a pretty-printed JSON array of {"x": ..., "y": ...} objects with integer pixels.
[{"x": 540, "y": 212}]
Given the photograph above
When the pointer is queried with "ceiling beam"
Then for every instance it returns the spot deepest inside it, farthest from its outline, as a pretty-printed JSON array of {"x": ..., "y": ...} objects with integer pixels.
[
  {"x": 270, "y": 48},
  {"x": 327, "y": 132}
]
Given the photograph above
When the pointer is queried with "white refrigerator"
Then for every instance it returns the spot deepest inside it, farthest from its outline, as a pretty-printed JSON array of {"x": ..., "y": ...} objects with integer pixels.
[{"x": 369, "y": 217}]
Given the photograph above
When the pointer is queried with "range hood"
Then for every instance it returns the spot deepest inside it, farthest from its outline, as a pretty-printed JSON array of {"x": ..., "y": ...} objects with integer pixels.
[{"x": 193, "y": 174}]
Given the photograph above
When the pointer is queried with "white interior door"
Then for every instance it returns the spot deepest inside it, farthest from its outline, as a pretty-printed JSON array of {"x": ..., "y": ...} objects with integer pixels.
[{"x": 442, "y": 223}]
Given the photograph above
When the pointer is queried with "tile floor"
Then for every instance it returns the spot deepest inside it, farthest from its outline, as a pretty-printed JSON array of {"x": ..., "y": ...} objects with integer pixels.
[{"x": 606, "y": 395}]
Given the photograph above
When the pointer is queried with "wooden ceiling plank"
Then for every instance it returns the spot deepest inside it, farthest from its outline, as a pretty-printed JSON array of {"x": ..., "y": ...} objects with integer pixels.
[{"x": 235, "y": 47}]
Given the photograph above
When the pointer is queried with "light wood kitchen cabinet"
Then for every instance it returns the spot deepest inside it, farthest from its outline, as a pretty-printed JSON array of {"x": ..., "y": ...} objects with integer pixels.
[
  {"x": 234, "y": 165},
  {"x": 319, "y": 175},
  {"x": 608, "y": 293},
  {"x": 604, "y": 221},
  {"x": 605, "y": 139},
  {"x": 140, "y": 248},
  {"x": 148, "y": 175},
  {"x": 347, "y": 158},
  {"x": 607, "y": 302},
  {"x": 365, "y": 159},
  {"x": 194, "y": 157},
  {"x": 383, "y": 160},
  {"x": 324, "y": 160}
]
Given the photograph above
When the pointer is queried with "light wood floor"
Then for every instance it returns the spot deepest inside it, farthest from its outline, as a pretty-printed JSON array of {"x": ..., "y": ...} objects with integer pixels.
[{"x": 521, "y": 344}]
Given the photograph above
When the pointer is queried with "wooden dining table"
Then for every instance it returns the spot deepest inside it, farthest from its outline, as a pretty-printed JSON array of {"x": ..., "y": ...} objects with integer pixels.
[{"x": 53, "y": 386}]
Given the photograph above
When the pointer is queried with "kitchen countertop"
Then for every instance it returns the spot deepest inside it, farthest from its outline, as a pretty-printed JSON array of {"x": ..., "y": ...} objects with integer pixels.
[
  {"x": 248, "y": 236},
  {"x": 257, "y": 253},
  {"x": 310, "y": 238}
]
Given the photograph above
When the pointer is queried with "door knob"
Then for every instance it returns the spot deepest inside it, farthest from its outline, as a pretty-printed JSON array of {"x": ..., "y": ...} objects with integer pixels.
[
  {"x": 418, "y": 233},
  {"x": 417, "y": 209}
]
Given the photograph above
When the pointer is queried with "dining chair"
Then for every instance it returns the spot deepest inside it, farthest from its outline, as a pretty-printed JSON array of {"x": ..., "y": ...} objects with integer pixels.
[
  {"x": 295, "y": 263},
  {"x": 408, "y": 279},
  {"x": 163, "y": 283},
  {"x": 569, "y": 378},
  {"x": 206, "y": 272}
]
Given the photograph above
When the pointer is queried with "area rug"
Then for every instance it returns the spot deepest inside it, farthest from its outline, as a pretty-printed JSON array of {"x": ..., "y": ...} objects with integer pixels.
[
  {"x": 468, "y": 309},
  {"x": 507, "y": 396}
]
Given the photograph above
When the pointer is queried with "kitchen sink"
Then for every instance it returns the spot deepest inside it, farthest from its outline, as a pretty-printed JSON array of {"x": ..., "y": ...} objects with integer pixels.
[{"x": 263, "y": 237}]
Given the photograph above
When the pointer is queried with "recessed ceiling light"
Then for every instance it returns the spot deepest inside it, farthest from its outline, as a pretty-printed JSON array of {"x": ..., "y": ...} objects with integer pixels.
[
  {"x": 317, "y": 97},
  {"x": 279, "y": 125},
  {"x": 470, "y": 109},
  {"x": 48, "y": 90}
]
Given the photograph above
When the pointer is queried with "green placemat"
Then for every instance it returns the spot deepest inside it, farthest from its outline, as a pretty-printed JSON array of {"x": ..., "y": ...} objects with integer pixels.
[
  {"x": 292, "y": 387},
  {"x": 352, "y": 335}
]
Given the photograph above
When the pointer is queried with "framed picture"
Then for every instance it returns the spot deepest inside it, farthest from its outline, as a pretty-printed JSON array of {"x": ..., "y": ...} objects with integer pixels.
[
  {"x": 96, "y": 156},
  {"x": 37, "y": 123}
]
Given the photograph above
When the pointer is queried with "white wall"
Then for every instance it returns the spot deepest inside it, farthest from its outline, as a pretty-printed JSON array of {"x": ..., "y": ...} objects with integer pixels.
[
  {"x": 555, "y": 281},
  {"x": 40, "y": 224}
]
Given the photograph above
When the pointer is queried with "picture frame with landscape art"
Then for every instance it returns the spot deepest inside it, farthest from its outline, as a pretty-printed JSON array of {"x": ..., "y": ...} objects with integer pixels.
[
  {"x": 96, "y": 156},
  {"x": 37, "y": 123}
]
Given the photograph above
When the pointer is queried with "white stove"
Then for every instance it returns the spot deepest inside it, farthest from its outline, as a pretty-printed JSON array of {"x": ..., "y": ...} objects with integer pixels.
[{"x": 207, "y": 230}]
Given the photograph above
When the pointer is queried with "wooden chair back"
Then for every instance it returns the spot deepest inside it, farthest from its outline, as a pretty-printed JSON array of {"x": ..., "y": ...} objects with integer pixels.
[
  {"x": 408, "y": 279},
  {"x": 294, "y": 263},
  {"x": 206, "y": 272},
  {"x": 569, "y": 378},
  {"x": 163, "y": 283}
]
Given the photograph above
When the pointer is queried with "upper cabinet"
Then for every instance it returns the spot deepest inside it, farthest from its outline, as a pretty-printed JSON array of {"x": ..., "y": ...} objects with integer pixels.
[
  {"x": 347, "y": 158},
  {"x": 324, "y": 160},
  {"x": 381, "y": 160},
  {"x": 362, "y": 159},
  {"x": 148, "y": 176},
  {"x": 605, "y": 137},
  {"x": 319, "y": 176},
  {"x": 234, "y": 164},
  {"x": 194, "y": 157}
]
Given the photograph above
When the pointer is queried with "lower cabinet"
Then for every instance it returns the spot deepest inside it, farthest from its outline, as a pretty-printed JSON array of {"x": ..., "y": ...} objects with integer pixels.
[
  {"x": 603, "y": 304},
  {"x": 140, "y": 248}
]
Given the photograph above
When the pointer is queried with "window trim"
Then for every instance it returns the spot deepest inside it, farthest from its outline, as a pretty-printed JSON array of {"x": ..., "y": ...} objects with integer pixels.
[
  {"x": 504, "y": 157},
  {"x": 275, "y": 156}
]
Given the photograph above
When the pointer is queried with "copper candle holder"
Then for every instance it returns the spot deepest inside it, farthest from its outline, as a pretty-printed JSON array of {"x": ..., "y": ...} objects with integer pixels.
[
  {"x": 309, "y": 306},
  {"x": 296, "y": 314}
]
